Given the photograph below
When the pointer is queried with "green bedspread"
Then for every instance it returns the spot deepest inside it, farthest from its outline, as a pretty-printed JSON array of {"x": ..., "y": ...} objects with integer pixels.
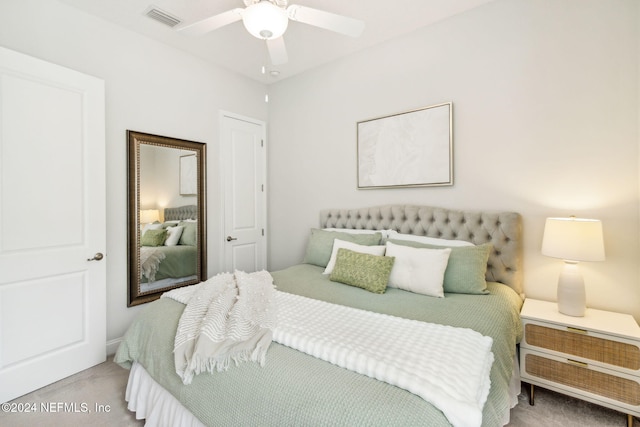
[
  {"x": 180, "y": 261},
  {"x": 296, "y": 389}
]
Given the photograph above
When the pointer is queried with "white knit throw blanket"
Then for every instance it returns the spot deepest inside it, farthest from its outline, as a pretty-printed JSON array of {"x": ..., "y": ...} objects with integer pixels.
[
  {"x": 446, "y": 366},
  {"x": 150, "y": 259},
  {"x": 230, "y": 317}
]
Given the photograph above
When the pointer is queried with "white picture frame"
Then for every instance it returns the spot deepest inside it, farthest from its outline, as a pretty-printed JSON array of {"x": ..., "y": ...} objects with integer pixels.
[{"x": 409, "y": 149}]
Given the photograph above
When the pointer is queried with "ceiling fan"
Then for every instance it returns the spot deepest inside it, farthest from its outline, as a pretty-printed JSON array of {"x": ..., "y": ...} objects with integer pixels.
[{"x": 268, "y": 20}]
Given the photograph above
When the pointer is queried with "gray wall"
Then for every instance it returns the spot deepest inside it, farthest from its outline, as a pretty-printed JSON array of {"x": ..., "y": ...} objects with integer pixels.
[{"x": 546, "y": 119}]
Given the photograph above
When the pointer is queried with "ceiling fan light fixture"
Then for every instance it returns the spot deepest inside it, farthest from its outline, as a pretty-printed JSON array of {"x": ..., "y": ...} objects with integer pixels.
[{"x": 265, "y": 20}]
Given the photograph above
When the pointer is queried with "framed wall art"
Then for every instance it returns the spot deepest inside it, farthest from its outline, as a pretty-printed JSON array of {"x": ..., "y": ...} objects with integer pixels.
[
  {"x": 409, "y": 149},
  {"x": 188, "y": 175}
]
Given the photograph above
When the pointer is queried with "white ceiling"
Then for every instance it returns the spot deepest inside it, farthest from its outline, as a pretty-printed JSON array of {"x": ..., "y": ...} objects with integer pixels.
[{"x": 308, "y": 47}]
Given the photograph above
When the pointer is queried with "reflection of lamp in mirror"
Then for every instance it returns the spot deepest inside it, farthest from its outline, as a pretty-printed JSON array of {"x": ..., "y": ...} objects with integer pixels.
[
  {"x": 573, "y": 240},
  {"x": 148, "y": 216}
]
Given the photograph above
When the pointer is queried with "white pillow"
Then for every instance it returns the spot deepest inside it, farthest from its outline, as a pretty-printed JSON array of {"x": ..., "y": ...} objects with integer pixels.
[
  {"x": 173, "y": 235},
  {"x": 418, "y": 270},
  {"x": 384, "y": 233},
  {"x": 337, "y": 244},
  {"x": 152, "y": 226},
  {"x": 394, "y": 235}
]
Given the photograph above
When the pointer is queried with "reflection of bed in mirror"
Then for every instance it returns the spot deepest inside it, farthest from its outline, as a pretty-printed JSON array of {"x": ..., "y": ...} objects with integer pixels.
[{"x": 168, "y": 250}]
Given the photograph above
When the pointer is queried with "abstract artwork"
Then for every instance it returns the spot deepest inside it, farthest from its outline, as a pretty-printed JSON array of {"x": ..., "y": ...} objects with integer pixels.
[{"x": 407, "y": 149}]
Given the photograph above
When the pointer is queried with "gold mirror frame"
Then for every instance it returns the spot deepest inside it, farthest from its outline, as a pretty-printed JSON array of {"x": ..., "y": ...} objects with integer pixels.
[{"x": 136, "y": 140}]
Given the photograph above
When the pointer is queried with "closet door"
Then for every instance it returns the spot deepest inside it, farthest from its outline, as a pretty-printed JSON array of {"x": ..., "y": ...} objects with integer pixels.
[
  {"x": 52, "y": 223},
  {"x": 243, "y": 165}
]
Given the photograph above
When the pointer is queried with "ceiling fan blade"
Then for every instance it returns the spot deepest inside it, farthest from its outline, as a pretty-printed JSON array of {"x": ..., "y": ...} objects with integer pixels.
[
  {"x": 328, "y": 21},
  {"x": 214, "y": 22},
  {"x": 277, "y": 51}
]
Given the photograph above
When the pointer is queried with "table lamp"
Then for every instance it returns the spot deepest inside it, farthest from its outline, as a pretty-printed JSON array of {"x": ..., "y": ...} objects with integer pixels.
[
  {"x": 147, "y": 216},
  {"x": 573, "y": 240}
]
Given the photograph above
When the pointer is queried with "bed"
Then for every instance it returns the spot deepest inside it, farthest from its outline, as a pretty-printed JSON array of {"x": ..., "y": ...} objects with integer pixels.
[
  {"x": 165, "y": 261},
  {"x": 294, "y": 388}
]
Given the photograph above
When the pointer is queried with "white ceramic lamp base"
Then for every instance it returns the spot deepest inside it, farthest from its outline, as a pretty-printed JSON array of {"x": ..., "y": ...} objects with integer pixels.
[{"x": 572, "y": 297}]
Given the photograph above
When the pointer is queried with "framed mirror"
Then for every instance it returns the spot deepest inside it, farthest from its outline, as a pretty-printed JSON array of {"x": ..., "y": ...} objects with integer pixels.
[{"x": 166, "y": 215}]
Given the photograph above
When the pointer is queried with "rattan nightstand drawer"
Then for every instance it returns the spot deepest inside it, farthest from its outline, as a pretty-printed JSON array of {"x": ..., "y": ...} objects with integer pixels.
[
  {"x": 594, "y": 358},
  {"x": 579, "y": 343},
  {"x": 574, "y": 375}
]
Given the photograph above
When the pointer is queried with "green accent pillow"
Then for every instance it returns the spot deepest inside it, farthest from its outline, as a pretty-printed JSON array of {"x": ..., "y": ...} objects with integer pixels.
[
  {"x": 321, "y": 244},
  {"x": 154, "y": 237},
  {"x": 189, "y": 233},
  {"x": 467, "y": 267},
  {"x": 370, "y": 272}
]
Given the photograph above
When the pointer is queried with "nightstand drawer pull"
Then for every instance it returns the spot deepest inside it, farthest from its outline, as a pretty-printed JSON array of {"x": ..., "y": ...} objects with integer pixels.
[
  {"x": 576, "y": 363},
  {"x": 576, "y": 330}
]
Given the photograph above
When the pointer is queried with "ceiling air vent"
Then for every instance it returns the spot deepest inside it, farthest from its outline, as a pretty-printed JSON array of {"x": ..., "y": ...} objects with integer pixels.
[{"x": 161, "y": 16}]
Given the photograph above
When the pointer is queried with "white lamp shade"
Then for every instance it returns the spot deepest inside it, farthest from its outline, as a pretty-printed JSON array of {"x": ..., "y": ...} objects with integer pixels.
[
  {"x": 265, "y": 20},
  {"x": 147, "y": 216},
  {"x": 573, "y": 239}
]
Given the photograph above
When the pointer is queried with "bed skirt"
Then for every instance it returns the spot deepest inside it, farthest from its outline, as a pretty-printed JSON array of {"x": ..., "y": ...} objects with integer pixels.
[
  {"x": 150, "y": 401},
  {"x": 515, "y": 386}
]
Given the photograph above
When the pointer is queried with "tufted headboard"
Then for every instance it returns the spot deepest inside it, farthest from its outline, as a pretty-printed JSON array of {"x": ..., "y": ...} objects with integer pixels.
[
  {"x": 181, "y": 213},
  {"x": 502, "y": 229}
]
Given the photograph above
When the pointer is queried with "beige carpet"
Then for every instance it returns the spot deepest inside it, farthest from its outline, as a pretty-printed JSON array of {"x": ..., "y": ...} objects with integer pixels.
[
  {"x": 100, "y": 391},
  {"x": 102, "y": 386}
]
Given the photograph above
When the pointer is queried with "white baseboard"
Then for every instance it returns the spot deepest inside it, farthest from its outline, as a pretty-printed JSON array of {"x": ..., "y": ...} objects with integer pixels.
[{"x": 112, "y": 346}]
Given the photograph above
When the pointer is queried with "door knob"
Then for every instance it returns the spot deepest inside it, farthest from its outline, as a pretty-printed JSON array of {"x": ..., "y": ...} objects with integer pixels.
[
  {"x": 229, "y": 238},
  {"x": 96, "y": 257}
]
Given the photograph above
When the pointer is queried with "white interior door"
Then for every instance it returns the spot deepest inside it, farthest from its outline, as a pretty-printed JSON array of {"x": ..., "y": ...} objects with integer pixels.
[
  {"x": 52, "y": 222},
  {"x": 243, "y": 161}
]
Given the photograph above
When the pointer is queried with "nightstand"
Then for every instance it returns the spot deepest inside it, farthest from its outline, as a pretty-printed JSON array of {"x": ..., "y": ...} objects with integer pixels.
[{"x": 594, "y": 358}]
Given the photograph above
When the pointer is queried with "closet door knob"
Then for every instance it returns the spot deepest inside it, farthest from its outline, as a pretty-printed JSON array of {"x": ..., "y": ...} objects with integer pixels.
[{"x": 229, "y": 238}]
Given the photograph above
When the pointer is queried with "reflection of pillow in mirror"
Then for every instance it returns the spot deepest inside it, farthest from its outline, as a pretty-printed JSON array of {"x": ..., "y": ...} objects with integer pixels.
[
  {"x": 173, "y": 236},
  {"x": 152, "y": 226},
  {"x": 153, "y": 237},
  {"x": 168, "y": 224},
  {"x": 189, "y": 234}
]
